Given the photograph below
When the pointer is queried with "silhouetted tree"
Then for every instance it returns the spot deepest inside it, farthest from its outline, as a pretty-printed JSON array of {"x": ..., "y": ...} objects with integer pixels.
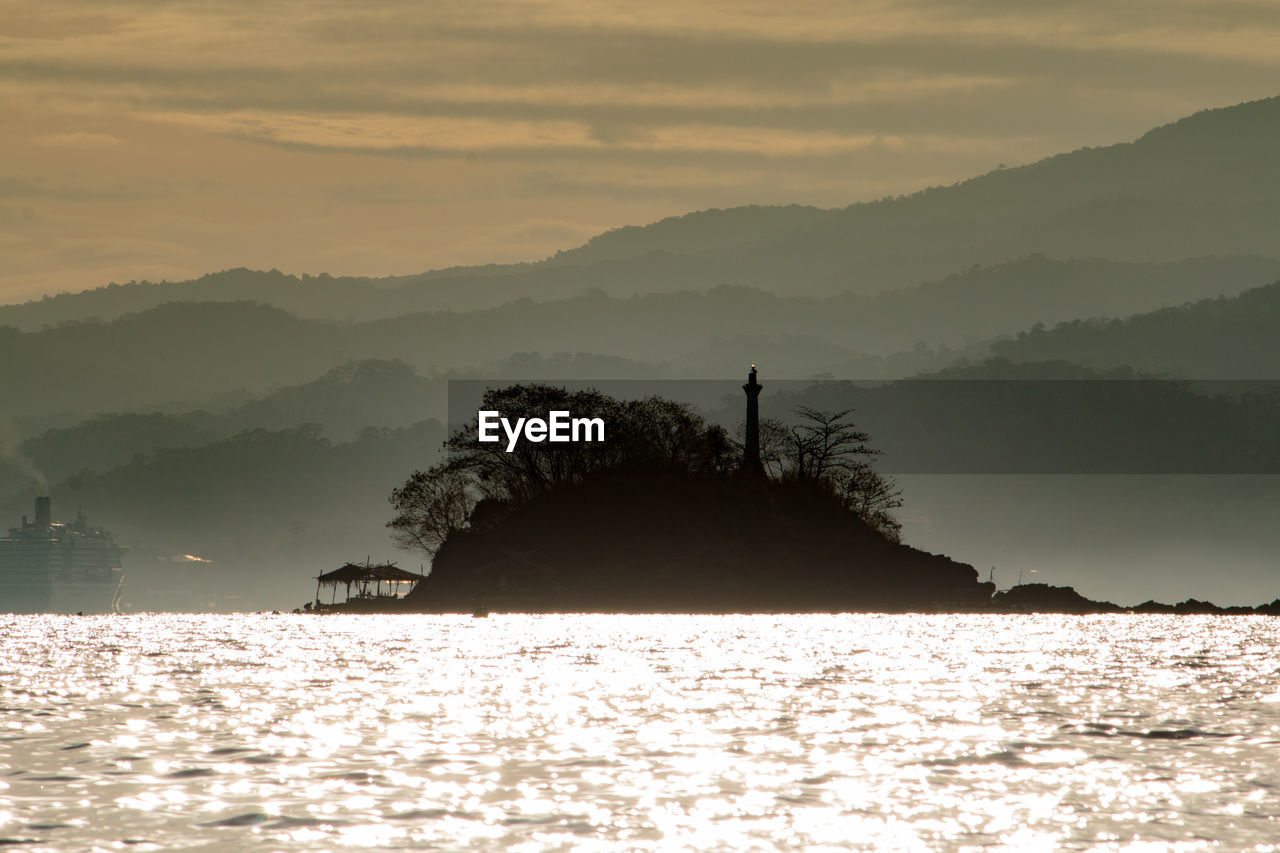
[
  {"x": 644, "y": 436},
  {"x": 775, "y": 445},
  {"x": 430, "y": 506},
  {"x": 651, "y": 435},
  {"x": 873, "y": 497},
  {"x": 825, "y": 447}
]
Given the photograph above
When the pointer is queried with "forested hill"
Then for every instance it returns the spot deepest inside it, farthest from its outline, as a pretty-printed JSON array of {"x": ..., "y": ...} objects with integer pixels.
[
  {"x": 1206, "y": 185},
  {"x": 1224, "y": 338},
  {"x": 977, "y": 302},
  {"x": 325, "y": 297},
  {"x": 174, "y": 357},
  {"x": 179, "y": 356}
]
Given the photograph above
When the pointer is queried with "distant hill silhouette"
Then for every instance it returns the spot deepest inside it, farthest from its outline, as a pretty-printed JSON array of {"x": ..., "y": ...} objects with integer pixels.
[
  {"x": 265, "y": 506},
  {"x": 1208, "y": 184},
  {"x": 181, "y": 357},
  {"x": 355, "y": 299},
  {"x": 978, "y": 302},
  {"x": 1003, "y": 417},
  {"x": 344, "y": 402},
  {"x": 172, "y": 358},
  {"x": 178, "y": 356},
  {"x": 1226, "y": 338}
]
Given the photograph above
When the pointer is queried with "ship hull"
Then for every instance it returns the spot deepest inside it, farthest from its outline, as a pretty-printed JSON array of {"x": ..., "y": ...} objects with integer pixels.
[
  {"x": 69, "y": 596},
  {"x": 49, "y": 567}
]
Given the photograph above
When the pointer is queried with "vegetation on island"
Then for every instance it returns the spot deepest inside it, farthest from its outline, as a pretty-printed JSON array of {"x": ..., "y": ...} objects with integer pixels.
[
  {"x": 478, "y": 482},
  {"x": 662, "y": 515}
]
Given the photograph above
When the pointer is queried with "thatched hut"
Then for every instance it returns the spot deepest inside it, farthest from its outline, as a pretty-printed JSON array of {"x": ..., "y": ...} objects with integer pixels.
[{"x": 364, "y": 585}]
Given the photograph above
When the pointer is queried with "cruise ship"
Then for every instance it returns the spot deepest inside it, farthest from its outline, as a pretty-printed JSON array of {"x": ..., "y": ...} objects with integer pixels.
[{"x": 51, "y": 567}]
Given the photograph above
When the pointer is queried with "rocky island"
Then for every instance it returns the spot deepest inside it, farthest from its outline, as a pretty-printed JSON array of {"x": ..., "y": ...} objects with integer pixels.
[
  {"x": 667, "y": 514},
  {"x": 704, "y": 544},
  {"x": 671, "y": 514}
]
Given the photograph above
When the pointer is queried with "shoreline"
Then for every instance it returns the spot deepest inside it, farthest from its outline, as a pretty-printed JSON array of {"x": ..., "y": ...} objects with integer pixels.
[{"x": 1028, "y": 599}]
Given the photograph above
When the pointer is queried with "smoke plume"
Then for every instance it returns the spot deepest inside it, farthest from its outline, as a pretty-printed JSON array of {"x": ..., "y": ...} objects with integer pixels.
[{"x": 11, "y": 452}]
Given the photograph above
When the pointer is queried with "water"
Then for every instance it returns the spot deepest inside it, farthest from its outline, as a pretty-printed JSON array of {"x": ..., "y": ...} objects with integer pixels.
[{"x": 254, "y": 732}]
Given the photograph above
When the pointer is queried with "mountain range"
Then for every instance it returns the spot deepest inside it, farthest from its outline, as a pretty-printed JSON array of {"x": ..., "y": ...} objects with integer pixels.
[
  {"x": 1156, "y": 257},
  {"x": 1205, "y": 185}
]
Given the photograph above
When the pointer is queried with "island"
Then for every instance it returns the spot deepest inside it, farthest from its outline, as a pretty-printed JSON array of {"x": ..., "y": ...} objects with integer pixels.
[
  {"x": 690, "y": 544},
  {"x": 671, "y": 514}
]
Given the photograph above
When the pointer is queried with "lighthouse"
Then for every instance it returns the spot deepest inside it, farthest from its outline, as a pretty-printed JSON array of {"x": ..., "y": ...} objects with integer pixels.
[{"x": 751, "y": 448}]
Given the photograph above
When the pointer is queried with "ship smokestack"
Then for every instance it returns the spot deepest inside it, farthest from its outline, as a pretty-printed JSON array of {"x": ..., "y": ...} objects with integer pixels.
[{"x": 44, "y": 512}]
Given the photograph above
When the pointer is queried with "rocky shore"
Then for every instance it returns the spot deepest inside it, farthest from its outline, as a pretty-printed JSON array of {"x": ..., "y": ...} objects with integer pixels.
[{"x": 1042, "y": 598}]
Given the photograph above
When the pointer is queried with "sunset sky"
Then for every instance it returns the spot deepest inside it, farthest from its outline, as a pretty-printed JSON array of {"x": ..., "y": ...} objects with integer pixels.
[{"x": 148, "y": 140}]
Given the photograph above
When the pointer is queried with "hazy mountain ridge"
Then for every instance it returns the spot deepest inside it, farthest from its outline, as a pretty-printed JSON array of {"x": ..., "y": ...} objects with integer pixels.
[
  {"x": 176, "y": 357},
  {"x": 1201, "y": 185},
  {"x": 347, "y": 299},
  {"x": 693, "y": 296},
  {"x": 267, "y": 507},
  {"x": 703, "y": 232},
  {"x": 1221, "y": 338},
  {"x": 1053, "y": 418},
  {"x": 172, "y": 358},
  {"x": 345, "y": 403},
  {"x": 1207, "y": 184}
]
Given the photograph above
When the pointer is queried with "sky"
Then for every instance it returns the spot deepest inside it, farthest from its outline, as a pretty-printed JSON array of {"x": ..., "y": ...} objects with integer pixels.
[{"x": 164, "y": 140}]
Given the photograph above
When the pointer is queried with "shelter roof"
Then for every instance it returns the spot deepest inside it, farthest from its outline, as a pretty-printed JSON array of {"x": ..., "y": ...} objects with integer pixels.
[{"x": 353, "y": 573}]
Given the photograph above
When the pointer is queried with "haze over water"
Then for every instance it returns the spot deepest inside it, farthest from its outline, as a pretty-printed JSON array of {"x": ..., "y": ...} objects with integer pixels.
[{"x": 152, "y": 732}]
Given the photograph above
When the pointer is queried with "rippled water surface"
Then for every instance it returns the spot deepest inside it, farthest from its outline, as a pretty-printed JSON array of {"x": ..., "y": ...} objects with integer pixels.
[{"x": 259, "y": 732}]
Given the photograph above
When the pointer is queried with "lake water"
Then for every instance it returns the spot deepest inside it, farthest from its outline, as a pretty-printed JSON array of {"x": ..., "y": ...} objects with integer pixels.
[{"x": 262, "y": 732}]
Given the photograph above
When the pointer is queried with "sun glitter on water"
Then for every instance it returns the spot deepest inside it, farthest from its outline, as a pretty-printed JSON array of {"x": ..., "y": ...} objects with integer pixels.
[{"x": 640, "y": 732}]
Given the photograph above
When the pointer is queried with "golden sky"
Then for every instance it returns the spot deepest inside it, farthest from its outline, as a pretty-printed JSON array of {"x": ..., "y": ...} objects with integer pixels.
[{"x": 153, "y": 139}]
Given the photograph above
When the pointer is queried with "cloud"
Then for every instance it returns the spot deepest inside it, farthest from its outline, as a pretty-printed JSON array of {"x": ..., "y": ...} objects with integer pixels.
[
  {"x": 383, "y": 132},
  {"x": 401, "y": 135},
  {"x": 92, "y": 188},
  {"x": 41, "y": 21},
  {"x": 448, "y": 134},
  {"x": 78, "y": 140}
]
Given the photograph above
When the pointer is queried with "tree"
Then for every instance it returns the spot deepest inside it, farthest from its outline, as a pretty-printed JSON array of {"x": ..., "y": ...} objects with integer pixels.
[
  {"x": 775, "y": 446},
  {"x": 826, "y": 447},
  {"x": 873, "y": 497},
  {"x": 430, "y": 506},
  {"x": 481, "y": 482},
  {"x": 651, "y": 436}
]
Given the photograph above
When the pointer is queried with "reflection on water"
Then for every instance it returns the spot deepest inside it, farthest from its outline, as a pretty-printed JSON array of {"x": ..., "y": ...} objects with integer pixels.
[{"x": 640, "y": 732}]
